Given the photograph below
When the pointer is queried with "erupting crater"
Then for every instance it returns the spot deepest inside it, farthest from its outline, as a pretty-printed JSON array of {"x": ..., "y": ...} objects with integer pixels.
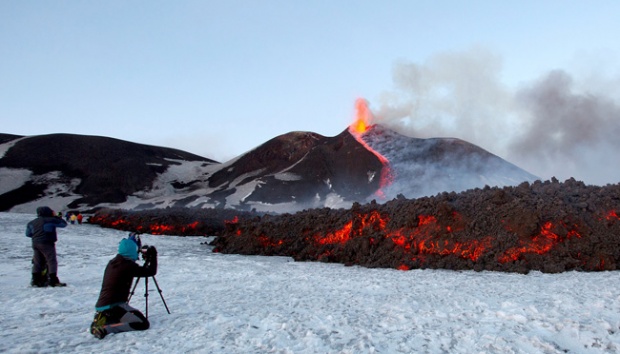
[{"x": 358, "y": 129}]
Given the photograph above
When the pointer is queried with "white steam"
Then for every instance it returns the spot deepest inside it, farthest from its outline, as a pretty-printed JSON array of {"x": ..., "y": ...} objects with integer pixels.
[{"x": 555, "y": 126}]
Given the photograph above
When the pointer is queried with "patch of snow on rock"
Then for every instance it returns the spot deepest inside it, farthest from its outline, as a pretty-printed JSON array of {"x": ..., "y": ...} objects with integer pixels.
[{"x": 13, "y": 178}]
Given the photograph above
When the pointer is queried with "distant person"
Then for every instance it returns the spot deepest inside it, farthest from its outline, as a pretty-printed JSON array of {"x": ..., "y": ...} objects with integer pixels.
[
  {"x": 67, "y": 216},
  {"x": 79, "y": 218},
  {"x": 73, "y": 218},
  {"x": 42, "y": 230},
  {"x": 114, "y": 315}
]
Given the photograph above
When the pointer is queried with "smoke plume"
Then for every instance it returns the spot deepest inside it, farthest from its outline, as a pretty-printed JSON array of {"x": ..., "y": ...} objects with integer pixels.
[{"x": 554, "y": 126}]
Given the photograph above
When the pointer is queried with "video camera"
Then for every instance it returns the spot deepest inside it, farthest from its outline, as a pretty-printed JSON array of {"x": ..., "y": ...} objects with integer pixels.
[{"x": 148, "y": 253}]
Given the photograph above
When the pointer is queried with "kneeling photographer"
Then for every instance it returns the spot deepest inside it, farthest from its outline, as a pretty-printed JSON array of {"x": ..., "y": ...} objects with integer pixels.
[{"x": 114, "y": 315}]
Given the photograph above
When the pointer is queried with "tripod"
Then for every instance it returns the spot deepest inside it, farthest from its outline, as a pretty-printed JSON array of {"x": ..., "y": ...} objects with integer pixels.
[{"x": 146, "y": 293}]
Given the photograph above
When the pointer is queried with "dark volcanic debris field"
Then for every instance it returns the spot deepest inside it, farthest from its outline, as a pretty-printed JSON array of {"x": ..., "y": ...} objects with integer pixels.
[{"x": 547, "y": 226}]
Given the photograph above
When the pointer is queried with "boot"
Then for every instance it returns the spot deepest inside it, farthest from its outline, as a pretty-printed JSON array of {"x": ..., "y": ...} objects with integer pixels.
[
  {"x": 38, "y": 280},
  {"x": 98, "y": 331},
  {"x": 97, "y": 327},
  {"x": 54, "y": 280}
]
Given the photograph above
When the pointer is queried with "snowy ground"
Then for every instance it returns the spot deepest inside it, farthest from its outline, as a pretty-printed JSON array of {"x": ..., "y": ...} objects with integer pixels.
[{"x": 247, "y": 304}]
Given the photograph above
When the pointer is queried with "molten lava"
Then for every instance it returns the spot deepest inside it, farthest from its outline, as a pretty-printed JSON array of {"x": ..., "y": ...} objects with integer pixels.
[
  {"x": 422, "y": 240},
  {"x": 169, "y": 225},
  {"x": 169, "y": 229},
  {"x": 541, "y": 243},
  {"x": 341, "y": 236},
  {"x": 612, "y": 215},
  {"x": 428, "y": 238},
  {"x": 362, "y": 118},
  {"x": 234, "y": 220},
  {"x": 360, "y": 127},
  {"x": 432, "y": 238}
]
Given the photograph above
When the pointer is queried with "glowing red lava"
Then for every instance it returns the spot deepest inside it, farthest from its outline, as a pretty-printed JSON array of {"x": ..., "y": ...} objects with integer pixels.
[
  {"x": 540, "y": 243},
  {"x": 358, "y": 129}
]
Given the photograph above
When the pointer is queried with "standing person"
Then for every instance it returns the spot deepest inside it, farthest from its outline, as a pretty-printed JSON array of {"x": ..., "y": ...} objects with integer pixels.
[
  {"x": 114, "y": 315},
  {"x": 79, "y": 218},
  {"x": 42, "y": 230},
  {"x": 73, "y": 218}
]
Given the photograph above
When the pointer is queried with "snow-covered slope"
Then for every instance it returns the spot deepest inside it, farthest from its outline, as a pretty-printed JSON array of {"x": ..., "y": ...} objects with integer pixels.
[
  {"x": 68, "y": 171},
  {"x": 424, "y": 167},
  {"x": 249, "y": 304}
]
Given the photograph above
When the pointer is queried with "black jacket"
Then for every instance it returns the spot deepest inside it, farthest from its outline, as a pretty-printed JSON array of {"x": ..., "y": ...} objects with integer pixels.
[{"x": 118, "y": 277}]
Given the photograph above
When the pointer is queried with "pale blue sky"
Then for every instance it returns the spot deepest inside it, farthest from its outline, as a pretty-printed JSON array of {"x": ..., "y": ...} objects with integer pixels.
[{"x": 217, "y": 78}]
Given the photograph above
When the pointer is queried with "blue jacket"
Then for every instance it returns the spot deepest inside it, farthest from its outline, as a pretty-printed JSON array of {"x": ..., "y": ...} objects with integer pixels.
[{"x": 43, "y": 228}]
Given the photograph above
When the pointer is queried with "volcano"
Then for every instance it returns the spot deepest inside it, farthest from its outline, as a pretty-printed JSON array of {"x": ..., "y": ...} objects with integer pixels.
[
  {"x": 298, "y": 170},
  {"x": 303, "y": 170},
  {"x": 290, "y": 172}
]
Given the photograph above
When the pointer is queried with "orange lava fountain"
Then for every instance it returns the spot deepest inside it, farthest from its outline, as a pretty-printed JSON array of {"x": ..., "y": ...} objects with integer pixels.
[{"x": 361, "y": 126}]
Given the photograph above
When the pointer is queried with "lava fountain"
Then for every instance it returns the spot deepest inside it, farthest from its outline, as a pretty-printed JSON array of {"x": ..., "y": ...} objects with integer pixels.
[{"x": 363, "y": 126}]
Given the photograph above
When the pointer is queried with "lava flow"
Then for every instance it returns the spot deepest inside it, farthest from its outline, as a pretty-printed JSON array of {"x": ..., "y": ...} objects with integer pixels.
[
  {"x": 540, "y": 243},
  {"x": 153, "y": 228},
  {"x": 360, "y": 127},
  {"x": 543, "y": 227},
  {"x": 429, "y": 237},
  {"x": 174, "y": 221}
]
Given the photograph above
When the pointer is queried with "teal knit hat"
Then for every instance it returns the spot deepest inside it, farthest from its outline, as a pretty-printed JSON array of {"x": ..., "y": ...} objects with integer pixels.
[{"x": 128, "y": 249}]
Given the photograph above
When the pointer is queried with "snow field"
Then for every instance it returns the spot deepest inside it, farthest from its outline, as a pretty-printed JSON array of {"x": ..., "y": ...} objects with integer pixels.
[{"x": 252, "y": 304}]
